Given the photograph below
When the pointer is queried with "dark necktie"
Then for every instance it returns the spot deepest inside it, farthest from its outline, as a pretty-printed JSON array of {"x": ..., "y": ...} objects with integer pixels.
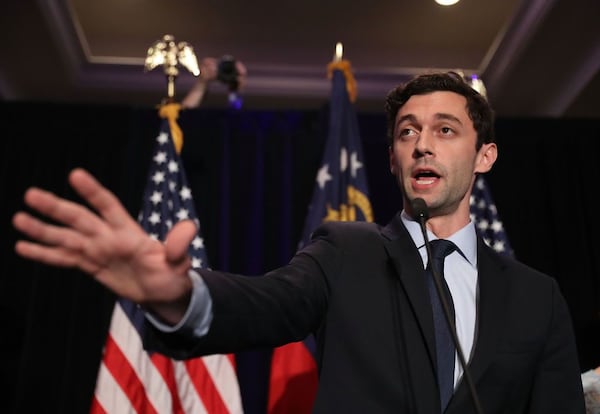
[{"x": 445, "y": 349}]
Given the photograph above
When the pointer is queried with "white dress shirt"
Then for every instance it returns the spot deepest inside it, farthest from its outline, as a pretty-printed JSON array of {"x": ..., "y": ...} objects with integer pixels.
[{"x": 460, "y": 272}]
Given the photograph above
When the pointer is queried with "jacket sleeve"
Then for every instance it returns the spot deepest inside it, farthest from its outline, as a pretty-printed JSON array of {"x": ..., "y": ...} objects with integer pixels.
[{"x": 250, "y": 312}]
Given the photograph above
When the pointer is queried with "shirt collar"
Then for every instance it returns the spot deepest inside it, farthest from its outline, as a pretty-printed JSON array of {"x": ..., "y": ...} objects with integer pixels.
[{"x": 465, "y": 239}]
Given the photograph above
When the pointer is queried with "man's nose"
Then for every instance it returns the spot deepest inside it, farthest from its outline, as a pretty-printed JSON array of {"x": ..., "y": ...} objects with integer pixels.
[{"x": 424, "y": 143}]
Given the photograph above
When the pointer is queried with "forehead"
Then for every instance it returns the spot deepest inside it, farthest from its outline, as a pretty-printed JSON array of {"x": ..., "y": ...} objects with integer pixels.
[{"x": 426, "y": 106}]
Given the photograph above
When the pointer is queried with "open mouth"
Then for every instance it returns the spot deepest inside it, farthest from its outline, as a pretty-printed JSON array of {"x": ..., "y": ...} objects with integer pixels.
[{"x": 425, "y": 177}]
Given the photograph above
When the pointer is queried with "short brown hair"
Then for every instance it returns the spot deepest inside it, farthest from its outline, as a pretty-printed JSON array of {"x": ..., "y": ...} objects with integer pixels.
[{"x": 478, "y": 108}]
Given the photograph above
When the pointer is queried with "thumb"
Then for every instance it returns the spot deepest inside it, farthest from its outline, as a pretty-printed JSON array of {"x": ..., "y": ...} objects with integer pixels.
[{"x": 178, "y": 241}]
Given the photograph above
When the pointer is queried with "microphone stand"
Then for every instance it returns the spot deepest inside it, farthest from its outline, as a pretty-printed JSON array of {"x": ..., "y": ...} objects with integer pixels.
[{"x": 420, "y": 210}]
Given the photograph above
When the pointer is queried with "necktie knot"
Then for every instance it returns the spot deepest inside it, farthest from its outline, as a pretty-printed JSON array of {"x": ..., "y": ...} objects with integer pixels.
[{"x": 442, "y": 248}]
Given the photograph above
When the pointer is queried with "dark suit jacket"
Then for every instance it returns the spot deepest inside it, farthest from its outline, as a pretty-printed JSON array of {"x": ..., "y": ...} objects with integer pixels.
[{"x": 360, "y": 288}]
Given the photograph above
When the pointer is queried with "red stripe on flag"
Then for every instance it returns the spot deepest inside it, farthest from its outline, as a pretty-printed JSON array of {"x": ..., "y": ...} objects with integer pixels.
[
  {"x": 208, "y": 392},
  {"x": 191, "y": 386},
  {"x": 293, "y": 382},
  {"x": 123, "y": 373},
  {"x": 231, "y": 358},
  {"x": 164, "y": 365},
  {"x": 96, "y": 408}
]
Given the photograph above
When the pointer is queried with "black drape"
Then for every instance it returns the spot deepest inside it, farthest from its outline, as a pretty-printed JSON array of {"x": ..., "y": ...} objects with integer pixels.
[{"x": 252, "y": 174}]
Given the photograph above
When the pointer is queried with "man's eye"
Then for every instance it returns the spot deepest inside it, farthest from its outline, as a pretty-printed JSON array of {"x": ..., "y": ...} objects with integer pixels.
[
  {"x": 446, "y": 130},
  {"x": 406, "y": 132}
]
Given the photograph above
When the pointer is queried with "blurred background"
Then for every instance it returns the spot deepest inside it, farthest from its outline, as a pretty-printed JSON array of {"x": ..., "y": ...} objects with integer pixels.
[{"x": 536, "y": 57}]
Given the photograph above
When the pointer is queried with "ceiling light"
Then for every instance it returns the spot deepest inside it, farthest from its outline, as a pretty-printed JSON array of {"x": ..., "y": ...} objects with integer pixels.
[{"x": 446, "y": 2}]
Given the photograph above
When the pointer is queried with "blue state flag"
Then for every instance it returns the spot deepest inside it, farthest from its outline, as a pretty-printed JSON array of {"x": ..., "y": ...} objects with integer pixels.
[
  {"x": 341, "y": 191},
  {"x": 340, "y": 194}
]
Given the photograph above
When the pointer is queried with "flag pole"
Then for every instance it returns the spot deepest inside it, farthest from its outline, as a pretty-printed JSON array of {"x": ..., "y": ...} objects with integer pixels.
[
  {"x": 339, "y": 52},
  {"x": 338, "y": 63},
  {"x": 170, "y": 55}
]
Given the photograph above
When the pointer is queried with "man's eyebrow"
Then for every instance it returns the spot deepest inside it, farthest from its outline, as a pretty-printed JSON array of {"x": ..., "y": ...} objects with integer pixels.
[
  {"x": 409, "y": 117},
  {"x": 448, "y": 117}
]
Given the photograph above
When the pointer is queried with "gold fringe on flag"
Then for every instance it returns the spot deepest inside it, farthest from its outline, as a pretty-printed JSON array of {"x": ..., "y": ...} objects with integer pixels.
[
  {"x": 344, "y": 66},
  {"x": 170, "y": 111}
]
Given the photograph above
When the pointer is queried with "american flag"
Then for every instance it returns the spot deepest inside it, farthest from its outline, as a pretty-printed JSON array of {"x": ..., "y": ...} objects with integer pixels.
[
  {"x": 487, "y": 221},
  {"x": 132, "y": 380},
  {"x": 340, "y": 194}
]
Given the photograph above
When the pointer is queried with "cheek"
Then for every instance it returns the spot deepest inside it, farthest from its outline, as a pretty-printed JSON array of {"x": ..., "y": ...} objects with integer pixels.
[{"x": 395, "y": 166}]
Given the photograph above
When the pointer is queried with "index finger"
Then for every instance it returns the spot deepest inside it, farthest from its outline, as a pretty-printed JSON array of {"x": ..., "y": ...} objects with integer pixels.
[{"x": 100, "y": 198}]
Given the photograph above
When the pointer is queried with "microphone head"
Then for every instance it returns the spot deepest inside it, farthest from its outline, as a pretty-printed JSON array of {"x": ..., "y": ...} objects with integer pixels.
[{"x": 419, "y": 209}]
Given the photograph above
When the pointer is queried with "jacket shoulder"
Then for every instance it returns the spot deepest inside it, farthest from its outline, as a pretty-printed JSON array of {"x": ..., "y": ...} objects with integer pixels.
[{"x": 346, "y": 229}]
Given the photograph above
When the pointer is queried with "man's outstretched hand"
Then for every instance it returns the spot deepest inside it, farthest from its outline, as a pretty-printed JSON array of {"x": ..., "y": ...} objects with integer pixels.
[{"x": 110, "y": 245}]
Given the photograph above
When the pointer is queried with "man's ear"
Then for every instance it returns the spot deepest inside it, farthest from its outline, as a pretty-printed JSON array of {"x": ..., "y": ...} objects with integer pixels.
[
  {"x": 392, "y": 162},
  {"x": 486, "y": 157}
]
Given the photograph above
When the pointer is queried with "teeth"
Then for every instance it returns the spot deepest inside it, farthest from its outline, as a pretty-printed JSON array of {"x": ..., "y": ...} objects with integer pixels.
[{"x": 425, "y": 181}]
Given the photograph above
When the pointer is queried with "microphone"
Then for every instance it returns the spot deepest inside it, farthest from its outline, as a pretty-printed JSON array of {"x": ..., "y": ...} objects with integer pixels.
[{"x": 420, "y": 212}]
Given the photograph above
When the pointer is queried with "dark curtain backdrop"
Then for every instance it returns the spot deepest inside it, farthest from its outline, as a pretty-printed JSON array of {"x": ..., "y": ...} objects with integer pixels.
[{"x": 252, "y": 174}]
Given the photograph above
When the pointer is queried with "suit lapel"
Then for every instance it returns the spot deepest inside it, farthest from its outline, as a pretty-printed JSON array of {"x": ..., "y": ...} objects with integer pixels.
[
  {"x": 493, "y": 290},
  {"x": 409, "y": 268}
]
